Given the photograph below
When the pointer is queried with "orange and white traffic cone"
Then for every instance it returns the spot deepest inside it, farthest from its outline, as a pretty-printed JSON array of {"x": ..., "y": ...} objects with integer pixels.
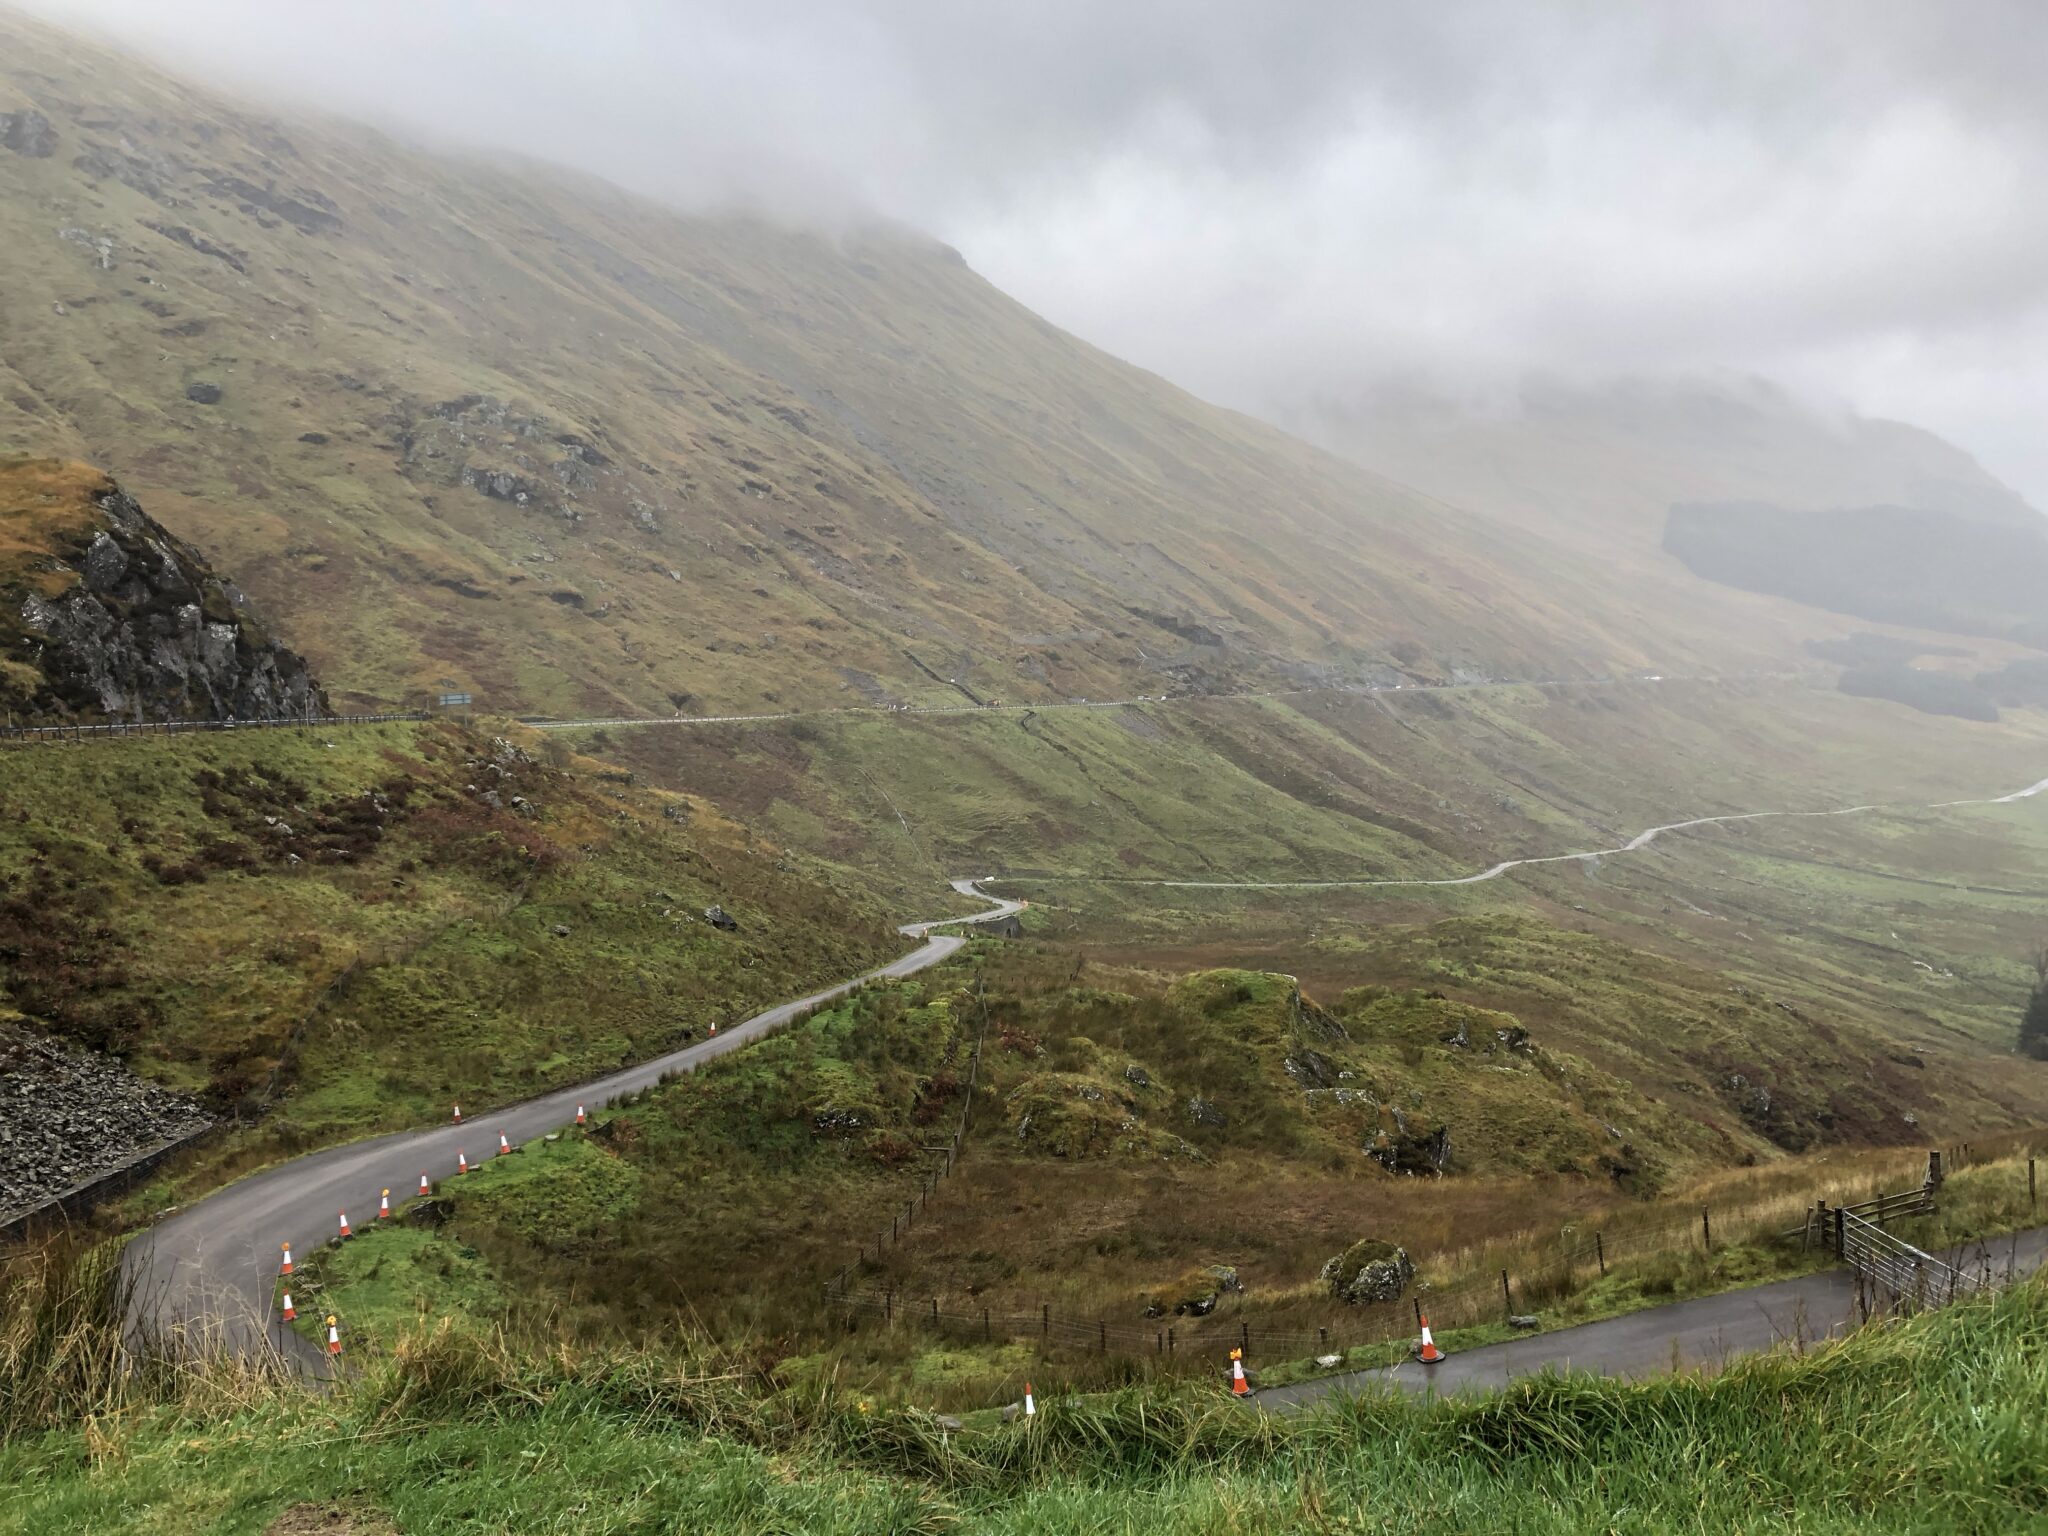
[
  {"x": 344, "y": 1225},
  {"x": 461, "y": 1163},
  {"x": 504, "y": 1146},
  {"x": 384, "y": 1206},
  {"x": 579, "y": 1114},
  {"x": 1239, "y": 1387},
  {"x": 425, "y": 1187},
  {"x": 458, "y": 1114},
  {"x": 290, "y": 1311},
  {"x": 714, "y": 1028},
  {"x": 286, "y": 1267},
  {"x": 1030, "y": 1402},
  {"x": 1426, "y": 1351},
  {"x": 333, "y": 1335}
]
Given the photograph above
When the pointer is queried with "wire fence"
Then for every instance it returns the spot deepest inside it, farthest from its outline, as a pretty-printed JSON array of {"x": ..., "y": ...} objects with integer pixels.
[
  {"x": 901, "y": 1223},
  {"x": 1535, "y": 1279},
  {"x": 107, "y": 730}
]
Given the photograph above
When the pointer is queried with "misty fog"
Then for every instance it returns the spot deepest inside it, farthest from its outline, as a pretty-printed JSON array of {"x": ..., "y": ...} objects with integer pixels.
[{"x": 1275, "y": 202}]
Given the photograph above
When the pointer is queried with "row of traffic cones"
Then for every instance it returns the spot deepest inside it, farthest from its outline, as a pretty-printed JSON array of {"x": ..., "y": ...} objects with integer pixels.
[
  {"x": 290, "y": 1313},
  {"x": 1425, "y": 1351}
]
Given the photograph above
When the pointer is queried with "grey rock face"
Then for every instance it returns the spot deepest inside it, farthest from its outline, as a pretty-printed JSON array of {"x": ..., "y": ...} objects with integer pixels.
[
  {"x": 1202, "y": 1112},
  {"x": 149, "y": 633},
  {"x": 28, "y": 133}
]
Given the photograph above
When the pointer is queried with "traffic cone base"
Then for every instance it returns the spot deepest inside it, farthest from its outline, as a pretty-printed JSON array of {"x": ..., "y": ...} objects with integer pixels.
[{"x": 1426, "y": 1351}]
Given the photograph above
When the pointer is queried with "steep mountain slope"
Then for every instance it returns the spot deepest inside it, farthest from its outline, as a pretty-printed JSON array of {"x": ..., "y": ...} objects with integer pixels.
[
  {"x": 1602, "y": 464},
  {"x": 467, "y": 423},
  {"x": 1843, "y": 513}
]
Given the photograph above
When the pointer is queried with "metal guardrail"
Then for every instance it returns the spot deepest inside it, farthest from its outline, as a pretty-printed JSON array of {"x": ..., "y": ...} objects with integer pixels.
[
  {"x": 106, "y": 730},
  {"x": 1894, "y": 1265}
]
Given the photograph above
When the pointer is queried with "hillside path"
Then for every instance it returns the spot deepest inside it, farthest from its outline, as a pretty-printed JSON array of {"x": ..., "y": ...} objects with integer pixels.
[
  {"x": 207, "y": 1270},
  {"x": 1704, "y": 1332}
]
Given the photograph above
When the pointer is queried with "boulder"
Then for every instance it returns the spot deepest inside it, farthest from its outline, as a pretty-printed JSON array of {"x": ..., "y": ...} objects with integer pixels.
[
  {"x": 1202, "y": 1112},
  {"x": 28, "y": 133},
  {"x": 720, "y": 919},
  {"x": 1368, "y": 1272},
  {"x": 1195, "y": 1294},
  {"x": 1406, "y": 1151},
  {"x": 203, "y": 393}
]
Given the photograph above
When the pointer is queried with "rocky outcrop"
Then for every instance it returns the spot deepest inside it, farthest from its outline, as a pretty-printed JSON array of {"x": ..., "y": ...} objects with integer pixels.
[
  {"x": 105, "y": 615},
  {"x": 29, "y": 133},
  {"x": 68, "y": 1117},
  {"x": 1368, "y": 1272}
]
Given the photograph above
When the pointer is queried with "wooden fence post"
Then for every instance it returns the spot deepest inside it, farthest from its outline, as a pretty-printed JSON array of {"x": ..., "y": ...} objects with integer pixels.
[
  {"x": 1600, "y": 1252},
  {"x": 1244, "y": 1335},
  {"x": 1507, "y": 1299},
  {"x": 1101, "y": 1337},
  {"x": 1706, "y": 1231},
  {"x": 1045, "y": 1321},
  {"x": 2030, "y": 1184}
]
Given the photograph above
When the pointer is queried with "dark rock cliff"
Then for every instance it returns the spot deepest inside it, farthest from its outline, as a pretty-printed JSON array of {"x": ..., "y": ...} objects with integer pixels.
[{"x": 105, "y": 615}]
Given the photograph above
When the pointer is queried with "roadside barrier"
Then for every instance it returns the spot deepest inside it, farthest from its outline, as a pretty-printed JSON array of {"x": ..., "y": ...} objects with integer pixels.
[
  {"x": 1541, "y": 1278},
  {"x": 109, "y": 730}
]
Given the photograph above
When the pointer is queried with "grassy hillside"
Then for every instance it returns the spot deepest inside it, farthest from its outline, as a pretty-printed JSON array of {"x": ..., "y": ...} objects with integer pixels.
[
  {"x": 494, "y": 426},
  {"x": 1933, "y": 1424},
  {"x": 335, "y": 931}
]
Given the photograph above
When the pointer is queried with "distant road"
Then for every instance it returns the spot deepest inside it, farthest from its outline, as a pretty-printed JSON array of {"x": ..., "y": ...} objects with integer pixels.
[
  {"x": 209, "y": 1268},
  {"x": 542, "y": 723},
  {"x": 1704, "y": 1332},
  {"x": 1635, "y": 844}
]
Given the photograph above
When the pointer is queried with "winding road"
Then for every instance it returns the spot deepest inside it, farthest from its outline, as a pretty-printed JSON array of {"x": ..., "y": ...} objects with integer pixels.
[
  {"x": 1703, "y": 1333},
  {"x": 1635, "y": 844},
  {"x": 206, "y": 1272}
]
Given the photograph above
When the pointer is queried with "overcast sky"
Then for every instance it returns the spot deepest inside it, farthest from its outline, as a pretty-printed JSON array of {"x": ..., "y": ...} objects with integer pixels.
[{"x": 1269, "y": 199}]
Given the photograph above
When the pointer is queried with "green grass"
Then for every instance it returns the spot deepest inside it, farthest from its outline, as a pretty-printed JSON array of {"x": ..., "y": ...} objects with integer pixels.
[
  {"x": 424, "y": 947},
  {"x": 1935, "y": 1424}
]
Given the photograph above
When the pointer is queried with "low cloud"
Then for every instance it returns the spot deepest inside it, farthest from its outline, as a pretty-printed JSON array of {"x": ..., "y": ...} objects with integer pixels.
[{"x": 1270, "y": 200}]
